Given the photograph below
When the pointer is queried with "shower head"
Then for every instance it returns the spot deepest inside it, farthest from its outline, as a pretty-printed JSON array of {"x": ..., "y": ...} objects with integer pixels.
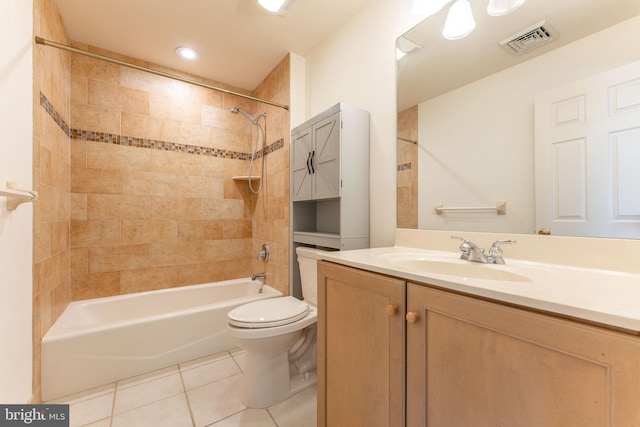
[{"x": 236, "y": 110}]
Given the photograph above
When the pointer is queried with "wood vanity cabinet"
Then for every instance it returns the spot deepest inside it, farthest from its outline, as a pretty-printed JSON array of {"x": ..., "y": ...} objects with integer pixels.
[
  {"x": 360, "y": 348},
  {"x": 471, "y": 362}
]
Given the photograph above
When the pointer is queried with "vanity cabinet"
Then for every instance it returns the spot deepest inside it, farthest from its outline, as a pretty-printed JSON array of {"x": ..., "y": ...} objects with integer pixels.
[
  {"x": 475, "y": 362},
  {"x": 360, "y": 348}
]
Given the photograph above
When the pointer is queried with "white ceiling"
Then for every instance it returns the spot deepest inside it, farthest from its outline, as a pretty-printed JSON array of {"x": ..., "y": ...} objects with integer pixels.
[
  {"x": 239, "y": 43},
  {"x": 441, "y": 65}
]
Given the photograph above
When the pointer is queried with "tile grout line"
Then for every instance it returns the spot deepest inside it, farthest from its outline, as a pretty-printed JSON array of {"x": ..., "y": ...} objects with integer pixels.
[{"x": 186, "y": 396}]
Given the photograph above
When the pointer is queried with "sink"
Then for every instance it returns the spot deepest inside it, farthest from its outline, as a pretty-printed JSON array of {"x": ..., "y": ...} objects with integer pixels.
[{"x": 453, "y": 267}]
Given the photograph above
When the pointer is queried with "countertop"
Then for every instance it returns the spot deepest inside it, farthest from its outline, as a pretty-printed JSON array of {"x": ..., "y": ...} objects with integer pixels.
[{"x": 610, "y": 298}]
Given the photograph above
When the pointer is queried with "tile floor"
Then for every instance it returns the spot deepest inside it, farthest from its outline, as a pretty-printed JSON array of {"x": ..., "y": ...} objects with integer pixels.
[{"x": 203, "y": 392}]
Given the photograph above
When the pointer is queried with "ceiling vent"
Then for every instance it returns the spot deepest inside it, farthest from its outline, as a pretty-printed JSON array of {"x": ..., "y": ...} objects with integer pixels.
[{"x": 529, "y": 38}]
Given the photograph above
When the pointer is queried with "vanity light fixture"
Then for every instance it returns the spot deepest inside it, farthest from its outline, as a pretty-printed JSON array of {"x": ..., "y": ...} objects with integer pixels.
[
  {"x": 279, "y": 7},
  {"x": 187, "y": 53},
  {"x": 460, "y": 22},
  {"x": 503, "y": 7}
]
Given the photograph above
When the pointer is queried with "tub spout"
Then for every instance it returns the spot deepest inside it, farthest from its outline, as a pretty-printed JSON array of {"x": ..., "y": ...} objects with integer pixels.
[{"x": 259, "y": 276}]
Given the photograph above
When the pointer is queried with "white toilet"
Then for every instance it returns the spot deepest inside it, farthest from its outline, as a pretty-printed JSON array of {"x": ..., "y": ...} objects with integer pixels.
[{"x": 279, "y": 336}]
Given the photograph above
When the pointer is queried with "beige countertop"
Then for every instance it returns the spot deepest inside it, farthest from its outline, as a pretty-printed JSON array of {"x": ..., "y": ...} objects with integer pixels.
[{"x": 596, "y": 295}]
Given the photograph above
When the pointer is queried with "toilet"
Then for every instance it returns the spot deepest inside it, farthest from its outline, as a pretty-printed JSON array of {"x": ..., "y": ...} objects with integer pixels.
[{"x": 279, "y": 337}]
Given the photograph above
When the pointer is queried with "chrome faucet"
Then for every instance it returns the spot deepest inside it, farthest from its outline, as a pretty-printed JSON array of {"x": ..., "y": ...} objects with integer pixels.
[
  {"x": 495, "y": 253},
  {"x": 259, "y": 276},
  {"x": 471, "y": 252}
]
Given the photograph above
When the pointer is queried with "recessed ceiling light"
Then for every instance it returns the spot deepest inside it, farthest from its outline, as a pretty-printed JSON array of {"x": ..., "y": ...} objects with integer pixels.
[{"x": 186, "y": 53}]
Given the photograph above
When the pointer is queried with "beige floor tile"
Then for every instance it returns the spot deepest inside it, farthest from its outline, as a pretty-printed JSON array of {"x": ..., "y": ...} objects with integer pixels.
[
  {"x": 238, "y": 356},
  {"x": 170, "y": 412},
  {"x": 302, "y": 406},
  {"x": 216, "y": 401},
  {"x": 135, "y": 396},
  {"x": 90, "y": 410},
  {"x": 209, "y": 372},
  {"x": 248, "y": 418}
]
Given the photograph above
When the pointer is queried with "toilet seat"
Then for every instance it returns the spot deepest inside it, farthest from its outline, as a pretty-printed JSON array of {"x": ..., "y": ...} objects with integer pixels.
[{"x": 268, "y": 313}]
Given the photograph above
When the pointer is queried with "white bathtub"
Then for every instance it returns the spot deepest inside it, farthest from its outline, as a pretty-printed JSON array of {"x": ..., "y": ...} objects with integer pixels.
[{"x": 99, "y": 341}]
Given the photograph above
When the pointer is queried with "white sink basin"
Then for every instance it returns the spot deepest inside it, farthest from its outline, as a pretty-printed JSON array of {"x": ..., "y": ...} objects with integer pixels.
[{"x": 453, "y": 267}]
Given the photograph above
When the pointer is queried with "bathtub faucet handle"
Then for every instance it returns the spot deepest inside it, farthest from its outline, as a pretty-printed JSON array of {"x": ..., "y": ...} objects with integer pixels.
[{"x": 263, "y": 253}]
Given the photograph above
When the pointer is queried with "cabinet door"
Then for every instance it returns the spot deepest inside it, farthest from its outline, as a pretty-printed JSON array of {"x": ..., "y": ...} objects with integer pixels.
[
  {"x": 477, "y": 363},
  {"x": 326, "y": 158},
  {"x": 360, "y": 348},
  {"x": 302, "y": 147}
]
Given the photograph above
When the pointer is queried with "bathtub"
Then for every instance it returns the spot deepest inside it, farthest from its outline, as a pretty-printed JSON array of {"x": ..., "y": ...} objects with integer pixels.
[{"x": 103, "y": 340}]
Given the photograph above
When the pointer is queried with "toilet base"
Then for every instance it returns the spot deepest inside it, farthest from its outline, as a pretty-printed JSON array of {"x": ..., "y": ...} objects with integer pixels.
[{"x": 274, "y": 381}]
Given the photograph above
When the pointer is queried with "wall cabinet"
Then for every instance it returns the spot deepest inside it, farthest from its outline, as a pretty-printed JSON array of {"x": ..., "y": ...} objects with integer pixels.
[
  {"x": 330, "y": 183},
  {"x": 477, "y": 362}
]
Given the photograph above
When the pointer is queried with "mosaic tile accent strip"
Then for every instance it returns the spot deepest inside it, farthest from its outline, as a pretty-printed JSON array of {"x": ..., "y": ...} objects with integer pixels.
[
  {"x": 153, "y": 144},
  {"x": 404, "y": 166},
  {"x": 51, "y": 110}
]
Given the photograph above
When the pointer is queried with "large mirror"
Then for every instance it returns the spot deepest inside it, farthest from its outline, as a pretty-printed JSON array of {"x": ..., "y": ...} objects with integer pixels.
[{"x": 466, "y": 110}]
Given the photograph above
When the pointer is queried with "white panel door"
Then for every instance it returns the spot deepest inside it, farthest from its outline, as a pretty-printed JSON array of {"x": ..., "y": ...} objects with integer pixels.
[
  {"x": 302, "y": 147},
  {"x": 587, "y": 156},
  {"x": 326, "y": 158}
]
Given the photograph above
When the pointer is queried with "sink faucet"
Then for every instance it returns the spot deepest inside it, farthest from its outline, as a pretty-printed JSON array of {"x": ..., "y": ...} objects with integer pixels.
[{"x": 471, "y": 252}]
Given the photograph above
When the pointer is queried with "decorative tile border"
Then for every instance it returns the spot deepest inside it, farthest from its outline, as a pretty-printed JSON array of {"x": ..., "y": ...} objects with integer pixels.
[
  {"x": 153, "y": 144},
  {"x": 404, "y": 166}
]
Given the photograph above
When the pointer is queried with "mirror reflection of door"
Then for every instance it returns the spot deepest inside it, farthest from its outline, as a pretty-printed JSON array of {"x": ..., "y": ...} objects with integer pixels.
[{"x": 587, "y": 145}]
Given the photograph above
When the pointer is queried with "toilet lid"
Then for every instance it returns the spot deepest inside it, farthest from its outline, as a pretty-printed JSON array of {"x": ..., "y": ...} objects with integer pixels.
[{"x": 268, "y": 313}]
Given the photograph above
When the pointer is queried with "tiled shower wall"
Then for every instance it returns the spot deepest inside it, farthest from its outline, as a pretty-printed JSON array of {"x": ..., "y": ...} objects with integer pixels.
[
  {"x": 135, "y": 177},
  {"x": 153, "y": 202},
  {"x": 51, "y": 280},
  {"x": 408, "y": 168}
]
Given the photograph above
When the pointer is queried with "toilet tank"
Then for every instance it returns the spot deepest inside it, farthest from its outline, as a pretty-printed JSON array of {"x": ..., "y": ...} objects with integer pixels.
[{"x": 308, "y": 263}]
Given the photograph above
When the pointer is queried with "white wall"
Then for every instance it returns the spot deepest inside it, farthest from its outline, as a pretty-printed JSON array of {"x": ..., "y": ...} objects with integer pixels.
[
  {"x": 16, "y": 236},
  {"x": 476, "y": 142},
  {"x": 356, "y": 65}
]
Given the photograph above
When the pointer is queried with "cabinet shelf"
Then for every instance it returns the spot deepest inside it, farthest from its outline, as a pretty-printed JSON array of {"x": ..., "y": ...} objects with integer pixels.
[{"x": 328, "y": 240}]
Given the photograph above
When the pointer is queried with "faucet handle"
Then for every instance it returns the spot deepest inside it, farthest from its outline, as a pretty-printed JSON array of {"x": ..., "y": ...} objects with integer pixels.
[
  {"x": 495, "y": 253},
  {"x": 495, "y": 246},
  {"x": 465, "y": 246}
]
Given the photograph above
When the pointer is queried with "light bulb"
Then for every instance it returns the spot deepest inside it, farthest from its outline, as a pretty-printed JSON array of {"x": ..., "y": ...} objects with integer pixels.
[
  {"x": 186, "y": 53},
  {"x": 272, "y": 6},
  {"x": 460, "y": 22}
]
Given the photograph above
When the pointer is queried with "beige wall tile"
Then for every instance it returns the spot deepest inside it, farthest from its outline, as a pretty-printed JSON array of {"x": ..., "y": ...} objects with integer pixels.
[
  {"x": 95, "y": 285},
  {"x": 200, "y": 273},
  {"x": 117, "y": 258},
  {"x": 147, "y": 279},
  {"x": 175, "y": 208},
  {"x": 108, "y": 156},
  {"x": 94, "y": 69},
  {"x": 95, "y": 118},
  {"x": 149, "y": 231},
  {"x": 105, "y": 181},
  {"x": 114, "y": 96},
  {"x": 226, "y": 250},
  {"x": 95, "y": 233},
  {"x": 116, "y": 206},
  {"x": 179, "y": 253}
]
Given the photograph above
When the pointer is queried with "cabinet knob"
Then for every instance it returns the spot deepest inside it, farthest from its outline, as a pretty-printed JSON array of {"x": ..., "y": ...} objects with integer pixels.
[
  {"x": 392, "y": 309},
  {"x": 412, "y": 317}
]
